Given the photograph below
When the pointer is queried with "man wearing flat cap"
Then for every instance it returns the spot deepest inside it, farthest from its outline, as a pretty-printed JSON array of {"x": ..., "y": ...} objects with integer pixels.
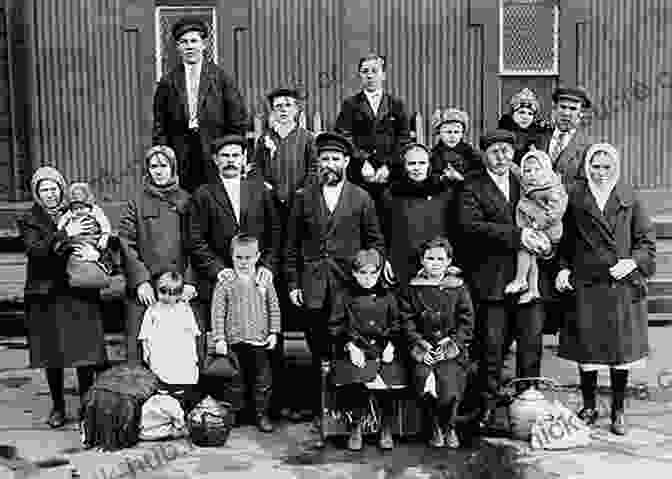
[
  {"x": 486, "y": 211},
  {"x": 378, "y": 125},
  {"x": 194, "y": 104},
  {"x": 223, "y": 208},
  {"x": 331, "y": 219},
  {"x": 566, "y": 143}
]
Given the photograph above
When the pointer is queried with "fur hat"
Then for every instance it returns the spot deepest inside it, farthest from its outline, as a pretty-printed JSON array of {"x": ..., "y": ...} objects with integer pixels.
[
  {"x": 449, "y": 115},
  {"x": 524, "y": 98}
]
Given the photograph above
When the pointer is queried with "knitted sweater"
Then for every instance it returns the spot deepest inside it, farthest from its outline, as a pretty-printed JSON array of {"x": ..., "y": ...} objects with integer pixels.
[{"x": 243, "y": 310}]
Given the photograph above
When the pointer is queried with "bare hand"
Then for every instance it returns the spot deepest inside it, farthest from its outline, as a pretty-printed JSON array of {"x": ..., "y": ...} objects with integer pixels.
[
  {"x": 624, "y": 267},
  {"x": 368, "y": 172},
  {"x": 271, "y": 341},
  {"x": 382, "y": 174},
  {"x": 388, "y": 273},
  {"x": 357, "y": 356},
  {"x": 296, "y": 297},
  {"x": 189, "y": 292},
  {"x": 80, "y": 226},
  {"x": 264, "y": 275},
  {"x": 145, "y": 294},
  {"x": 562, "y": 282},
  {"x": 227, "y": 274},
  {"x": 270, "y": 145},
  {"x": 221, "y": 347},
  {"x": 388, "y": 353}
]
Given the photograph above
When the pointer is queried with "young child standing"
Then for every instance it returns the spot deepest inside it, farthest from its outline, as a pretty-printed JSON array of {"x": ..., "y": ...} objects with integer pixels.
[
  {"x": 439, "y": 323},
  {"x": 542, "y": 204},
  {"x": 452, "y": 157},
  {"x": 524, "y": 122},
  {"x": 367, "y": 344},
  {"x": 168, "y": 338},
  {"x": 246, "y": 322}
]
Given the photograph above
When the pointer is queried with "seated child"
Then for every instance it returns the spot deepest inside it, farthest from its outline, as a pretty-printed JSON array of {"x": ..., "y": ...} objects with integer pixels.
[
  {"x": 524, "y": 122},
  {"x": 246, "y": 322},
  {"x": 543, "y": 201},
  {"x": 452, "y": 157},
  {"x": 367, "y": 334},
  {"x": 439, "y": 322},
  {"x": 91, "y": 247},
  {"x": 168, "y": 336}
]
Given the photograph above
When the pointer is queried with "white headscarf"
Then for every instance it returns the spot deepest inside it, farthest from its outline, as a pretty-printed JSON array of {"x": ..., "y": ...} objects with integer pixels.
[{"x": 602, "y": 191}]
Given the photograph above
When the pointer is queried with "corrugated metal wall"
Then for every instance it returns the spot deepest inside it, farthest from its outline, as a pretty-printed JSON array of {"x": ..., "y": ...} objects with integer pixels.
[
  {"x": 435, "y": 58},
  {"x": 293, "y": 43},
  {"x": 625, "y": 61},
  {"x": 5, "y": 111},
  {"x": 87, "y": 94}
]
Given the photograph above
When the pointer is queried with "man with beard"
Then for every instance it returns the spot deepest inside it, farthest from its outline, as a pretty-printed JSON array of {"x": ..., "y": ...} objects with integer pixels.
[
  {"x": 567, "y": 143},
  {"x": 194, "y": 104},
  {"x": 330, "y": 220},
  {"x": 220, "y": 210}
]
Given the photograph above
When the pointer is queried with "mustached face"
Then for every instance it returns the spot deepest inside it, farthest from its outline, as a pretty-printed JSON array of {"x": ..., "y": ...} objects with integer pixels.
[
  {"x": 230, "y": 160},
  {"x": 332, "y": 166}
]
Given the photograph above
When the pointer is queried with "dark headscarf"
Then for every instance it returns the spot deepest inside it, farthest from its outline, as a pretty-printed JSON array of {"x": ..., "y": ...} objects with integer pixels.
[
  {"x": 173, "y": 185},
  {"x": 48, "y": 173}
]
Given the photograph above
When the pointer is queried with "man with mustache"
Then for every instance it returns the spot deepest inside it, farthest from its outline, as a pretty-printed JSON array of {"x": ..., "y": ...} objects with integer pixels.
[
  {"x": 330, "y": 220},
  {"x": 194, "y": 104},
  {"x": 567, "y": 143},
  {"x": 218, "y": 211}
]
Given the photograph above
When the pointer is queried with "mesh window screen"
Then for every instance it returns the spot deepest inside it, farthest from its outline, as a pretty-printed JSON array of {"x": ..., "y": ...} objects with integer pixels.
[
  {"x": 529, "y": 37},
  {"x": 166, "y": 54}
]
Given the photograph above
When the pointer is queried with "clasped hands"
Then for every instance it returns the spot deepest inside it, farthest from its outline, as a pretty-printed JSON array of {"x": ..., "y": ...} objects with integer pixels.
[
  {"x": 358, "y": 358},
  {"x": 372, "y": 175}
]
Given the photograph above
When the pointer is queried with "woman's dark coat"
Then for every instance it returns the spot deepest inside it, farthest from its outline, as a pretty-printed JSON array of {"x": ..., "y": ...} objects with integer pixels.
[
  {"x": 431, "y": 312},
  {"x": 370, "y": 320},
  {"x": 412, "y": 214},
  {"x": 607, "y": 321},
  {"x": 65, "y": 325}
]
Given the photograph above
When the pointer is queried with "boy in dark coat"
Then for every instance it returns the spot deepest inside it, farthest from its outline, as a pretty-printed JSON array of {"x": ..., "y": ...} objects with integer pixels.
[
  {"x": 367, "y": 340},
  {"x": 439, "y": 324}
]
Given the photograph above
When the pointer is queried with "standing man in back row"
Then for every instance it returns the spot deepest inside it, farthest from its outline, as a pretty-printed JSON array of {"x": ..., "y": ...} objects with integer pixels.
[
  {"x": 194, "y": 104},
  {"x": 378, "y": 126}
]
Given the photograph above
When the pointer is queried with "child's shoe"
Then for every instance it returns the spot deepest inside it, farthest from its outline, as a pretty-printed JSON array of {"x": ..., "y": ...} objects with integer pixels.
[
  {"x": 437, "y": 440},
  {"x": 516, "y": 286},
  {"x": 529, "y": 296},
  {"x": 386, "y": 441},
  {"x": 356, "y": 441},
  {"x": 452, "y": 441}
]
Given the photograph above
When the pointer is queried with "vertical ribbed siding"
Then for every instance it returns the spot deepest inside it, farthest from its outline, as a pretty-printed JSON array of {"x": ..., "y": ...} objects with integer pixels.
[
  {"x": 293, "y": 43},
  {"x": 87, "y": 94},
  {"x": 623, "y": 43},
  {"x": 435, "y": 58}
]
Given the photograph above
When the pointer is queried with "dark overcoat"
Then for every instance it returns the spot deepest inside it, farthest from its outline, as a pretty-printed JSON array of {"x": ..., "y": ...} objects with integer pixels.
[
  {"x": 377, "y": 138},
  {"x": 607, "y": 322},
  {"x": 431, "y": 312},
  {"x": 213, "y": 223},
  {"x": 65, "y": 325},
  {"x": 369, "y": 319},
  {"x": 221, "y": 111},
  {"x": 412, "y": 214},
  {"x": 152, "y": 232},
  {"x": 320, "y": 245}
]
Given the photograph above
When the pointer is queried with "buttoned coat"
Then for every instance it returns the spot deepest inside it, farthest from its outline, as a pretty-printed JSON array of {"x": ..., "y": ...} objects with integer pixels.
[
  {"x": 221, "y": 111},
  {"x": 491, "y": 239},
  {"x": 569, "y": 164},
  {"x": 213, "y": 223},
  {"x": 320, "y": 245},
  {"x": 376, "y": 137},
  {"x": 607, "y": 321}
]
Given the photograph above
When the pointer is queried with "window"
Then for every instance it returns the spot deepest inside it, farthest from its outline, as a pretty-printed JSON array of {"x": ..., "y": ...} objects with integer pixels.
[
  {"x": 528, "y": 37},
  {"x": 166, "y": 16}
]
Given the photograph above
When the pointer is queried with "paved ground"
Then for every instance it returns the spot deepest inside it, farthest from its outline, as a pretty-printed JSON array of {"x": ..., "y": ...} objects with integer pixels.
[{"x": 288, "y": 453}]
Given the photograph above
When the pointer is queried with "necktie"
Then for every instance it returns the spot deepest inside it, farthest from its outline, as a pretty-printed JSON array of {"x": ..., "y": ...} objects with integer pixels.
[{"x": 559, "y": 146}]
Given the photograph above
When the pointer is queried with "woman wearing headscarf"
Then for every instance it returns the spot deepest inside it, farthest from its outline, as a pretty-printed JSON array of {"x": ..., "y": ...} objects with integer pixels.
[
  {"x": 65, "y": 325},
  {"x": 416, "y": 208},
  {"x": 152, "y": 235},
  {"x": 606, "y": 253}
]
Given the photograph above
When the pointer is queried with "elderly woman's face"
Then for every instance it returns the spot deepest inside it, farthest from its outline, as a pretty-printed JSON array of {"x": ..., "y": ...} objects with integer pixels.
[
  {"x": 498, "y": 158},
  {"x": 602, "y": 167},
  {"x": 159, "y": 170},
  {"x": 416, "y": 163},
  {"x": 49, "y": 193}
]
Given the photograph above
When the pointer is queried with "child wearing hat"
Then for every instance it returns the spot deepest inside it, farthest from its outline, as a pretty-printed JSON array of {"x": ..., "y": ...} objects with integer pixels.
[
  {"x": 543, "y": 201},
  {"x": 524, "y": 122},
  {"x": 439, "y": 323},
  {"x": 452, "y": 157},
  {"x": 92, "y": 247},
  {"x": 367, "y": 339}
]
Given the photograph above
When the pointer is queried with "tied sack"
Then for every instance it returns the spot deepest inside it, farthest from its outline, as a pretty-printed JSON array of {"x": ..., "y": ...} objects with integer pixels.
[
  {"x": 560, "y": 428},
  {"x": 162, "y": 418}
]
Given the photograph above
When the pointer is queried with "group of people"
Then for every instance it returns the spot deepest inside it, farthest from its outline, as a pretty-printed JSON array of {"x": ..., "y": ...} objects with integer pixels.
[{"x": 405, "y": 266}]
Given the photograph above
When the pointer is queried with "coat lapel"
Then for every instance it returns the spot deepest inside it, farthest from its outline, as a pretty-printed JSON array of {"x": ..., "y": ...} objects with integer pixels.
[
  {"x": 365, "y": 106},
  {"x": 204, "y": 83},
  {"x": 245, "y": 199},
  {"x": 180, "y": 82},
  {"x": 384, "y": 107},
  {"x": 321, "y": 210},
  {"x": 497, "y": 198},
  {"x": 222, "y": 197},
  {"x": 588, "y": 204},
  {"x": 341, "y": 206}
]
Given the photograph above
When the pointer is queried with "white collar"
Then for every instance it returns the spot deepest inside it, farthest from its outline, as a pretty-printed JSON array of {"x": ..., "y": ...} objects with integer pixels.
[
  {"x": 337, "y": 187},
  {"x": 197, "y": 65},
  {"x": 373, "y": 94},
  {"x": 230, "y": 181},
  {"x": 500, "y": 180}
]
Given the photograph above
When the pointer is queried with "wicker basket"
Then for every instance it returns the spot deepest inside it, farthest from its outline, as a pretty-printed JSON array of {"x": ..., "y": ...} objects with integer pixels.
[{"x": 210, "y": 423}]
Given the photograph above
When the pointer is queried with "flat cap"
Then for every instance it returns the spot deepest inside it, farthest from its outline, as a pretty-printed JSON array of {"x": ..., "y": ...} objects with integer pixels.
[
  {"x": 189, "y": 24},
  {"x": 496, "y": 136},
  {"x": 572, "y": 93},
  {"x": 284, "y": 91},
  {"x": 331, "y": 141},
  {"x": 220, "y": 142}
]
